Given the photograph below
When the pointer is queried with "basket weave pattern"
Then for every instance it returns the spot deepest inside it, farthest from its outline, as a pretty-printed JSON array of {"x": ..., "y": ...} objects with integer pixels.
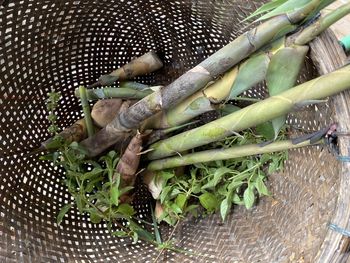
[{"x": 58, "y": 45}]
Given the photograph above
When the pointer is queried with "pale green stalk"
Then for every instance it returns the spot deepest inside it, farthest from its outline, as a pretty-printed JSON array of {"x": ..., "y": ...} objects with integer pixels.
[
  {"x": 322, "y": 24},
  {"x": 86, "y": 109},
  {"x": 254, "y": 114},
  {"x": 223, "y": 154}
]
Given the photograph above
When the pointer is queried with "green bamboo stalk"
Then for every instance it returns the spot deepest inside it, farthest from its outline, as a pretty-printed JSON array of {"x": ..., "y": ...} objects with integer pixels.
[
  {"x": 254, "y": 114},
  {"x": 86, "y": 109},
  {"x": 322, "y": 24},
  {"x": 195, "y": 105},
  {"x": 234, "y": 82},
  {"x": 215, "y": 65},
  {"x": 282, "y": 74},
  {"x": 201, "y": 75},
  {"x": 223, "y": 154},
  {"x": 104, "y": 93}
]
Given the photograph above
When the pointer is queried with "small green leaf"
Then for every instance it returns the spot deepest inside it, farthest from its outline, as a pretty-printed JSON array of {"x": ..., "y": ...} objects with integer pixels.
[
  {"x": 92, "y": 174},
  {"x": 165, "y": 193},
  {"x": 225, "y": 208},
  {"x": 265, "y": 129},
  {"x": 261, "y": 187},
  {"x": 93, "y": 183},
  {"x": 169, "y": 220},
  {"x": 64, "y": 210},
  {"x": 228, "y": 109},
  {"x": 265, "y": 8},
  {"x": 115, "y": 195},
  {"x": 223, "y": 189},
  {"x": 80, "y": 203},
  {"x": 196, "y": 189},
  {"x": 180, "y": 201},
  {"x": 95, "y": 218},
  {"x": 234, "y": 184},
  {"x": 126, "y": 210},
  {"x": 174, "y": 192},
  {"x": 249, "y": 197},
  {"x": 176, "y": 208},
  {"x": 237, "y": 200},
  {"x": 284, "y": 8},
  {"x": 264, "y": 158},
  {"x": 46, "y": 157},
  {"x": 119, "y": 234},
  {"x": 166, "y": 175},
  {"x": 125, "y": 189},
  {"x": 145, "y": 234},
  {"x": 218, "y": 176},
  {"x": 192, "y": 209},
  {"x": 209, "y": 201},
  {"x": 135, "y": 237}
]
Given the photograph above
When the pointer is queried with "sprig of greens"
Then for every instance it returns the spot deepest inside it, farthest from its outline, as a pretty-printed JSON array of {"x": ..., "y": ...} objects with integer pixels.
[
  {"x": 96, "y": 190},
  {"x": 51, "y": 105},
  {"x": 217, "y": 186}
]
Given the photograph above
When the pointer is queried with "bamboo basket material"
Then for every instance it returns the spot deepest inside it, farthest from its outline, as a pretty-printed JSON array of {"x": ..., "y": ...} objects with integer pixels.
[{"x": 49, "y": 44}]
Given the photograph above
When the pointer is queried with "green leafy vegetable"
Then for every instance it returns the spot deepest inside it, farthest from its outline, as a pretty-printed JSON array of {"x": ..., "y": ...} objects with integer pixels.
[{"x": 64, "y": 210}]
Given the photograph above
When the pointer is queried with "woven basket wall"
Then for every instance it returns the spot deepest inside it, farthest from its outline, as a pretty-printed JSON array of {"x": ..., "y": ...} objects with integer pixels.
[{"x": 47, "y": 44}]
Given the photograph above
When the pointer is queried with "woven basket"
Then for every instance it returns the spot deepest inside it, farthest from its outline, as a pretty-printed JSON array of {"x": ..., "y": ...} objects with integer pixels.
[{"x": 47, "y": 44}]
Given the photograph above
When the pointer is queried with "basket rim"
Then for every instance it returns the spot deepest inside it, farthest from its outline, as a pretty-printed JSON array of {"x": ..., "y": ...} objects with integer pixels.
[{"x": 327, "y": 55}]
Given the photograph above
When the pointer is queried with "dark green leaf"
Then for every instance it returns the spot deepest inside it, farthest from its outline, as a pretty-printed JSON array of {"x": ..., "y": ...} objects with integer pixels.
[
  {"x": 141, "y": 232},
  {"x": 115, "y": 195},
  {"x": 93, "y": 183},
  {"x": 265, "y": 157},
  {"x": 191, "y": 209},
  {"x": 176, "y": 209},
  {"x": 125, "y": 189},
  {"x": 261, "y": 187},
  {"x": 80, "y": 203},
  {"x": 119, "y": 234},
  {"x": 180, "y": 201},
  {"x": 126, "y": 209},
  {"x": 196, "y": 188},
  {"x": 265, "y": 129},
  {"x": 95, "y": 218},
  {"x": 92, "y": 174},
  {"x": 64, "y": 210},
  {"x": 209, "y": 201},
  {"x": 249, "y": 197},
  {"x": 165, "y": 193},
  {"x": 228, "y": 109}
]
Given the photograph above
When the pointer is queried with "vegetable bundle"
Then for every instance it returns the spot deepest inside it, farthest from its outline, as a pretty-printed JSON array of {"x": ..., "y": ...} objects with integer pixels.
[{"x": 156, "y": 133}]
